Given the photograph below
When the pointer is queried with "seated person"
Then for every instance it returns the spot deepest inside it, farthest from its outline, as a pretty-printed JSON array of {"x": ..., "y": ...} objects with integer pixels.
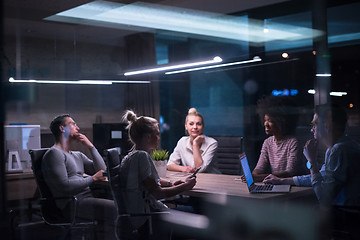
[
  {"x": 64, "y": 170},
  {"x": 337, "y": 179},
  {"x": 336, "y": 184},
  {"x": 140, "y": 183},
  {"x": 300, "y": 181},
  {"x": 196, "y": 149},
  {"x": 279, "y": 152},
  {"x": 340, "y": 183}
]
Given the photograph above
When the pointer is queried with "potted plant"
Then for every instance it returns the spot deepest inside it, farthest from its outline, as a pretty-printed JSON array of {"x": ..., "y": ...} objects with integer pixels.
[{"x": 160, "y": 158}]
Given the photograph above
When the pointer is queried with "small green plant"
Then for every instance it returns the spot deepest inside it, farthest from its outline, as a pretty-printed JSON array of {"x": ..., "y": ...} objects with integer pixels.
[{"x": 160, "y": 155}]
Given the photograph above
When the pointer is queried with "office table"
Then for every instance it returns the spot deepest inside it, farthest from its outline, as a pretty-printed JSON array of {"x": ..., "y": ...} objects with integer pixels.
[
  {"x": 228, "y": 209},
  {"x": 230, "y": 185},
  {"x": 20, "y": 186}
]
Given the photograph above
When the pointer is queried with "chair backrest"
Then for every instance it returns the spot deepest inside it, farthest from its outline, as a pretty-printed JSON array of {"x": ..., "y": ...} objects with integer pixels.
[
  {"x": 51, "y": 213},
  {"x": 124, "y": 227},
  {"x": 227, "y": 157},
  {"x": 112, "y": 159},
  {"x": 36, "y": 161}
]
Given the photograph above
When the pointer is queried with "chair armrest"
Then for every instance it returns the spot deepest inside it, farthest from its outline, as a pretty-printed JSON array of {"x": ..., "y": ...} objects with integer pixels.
[
  {"x": 143, "y": 214},
  {"x": 58, "y": 198},
  {"x": 52, "y": 203}
]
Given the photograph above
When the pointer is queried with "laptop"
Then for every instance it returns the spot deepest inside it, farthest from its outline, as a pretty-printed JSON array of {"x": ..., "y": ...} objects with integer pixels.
[{"x": 264, "y": 188}]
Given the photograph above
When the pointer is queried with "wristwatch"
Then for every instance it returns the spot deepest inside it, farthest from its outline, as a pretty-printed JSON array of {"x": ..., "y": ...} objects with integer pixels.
[{"x": 309, "y": 166}]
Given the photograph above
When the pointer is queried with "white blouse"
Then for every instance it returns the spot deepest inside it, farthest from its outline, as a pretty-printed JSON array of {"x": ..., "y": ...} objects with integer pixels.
[{"x": 183, "y": 154}]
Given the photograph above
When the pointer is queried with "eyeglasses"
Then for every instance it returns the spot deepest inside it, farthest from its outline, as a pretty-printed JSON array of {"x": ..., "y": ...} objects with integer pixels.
[{"x": 313, "y": 124}]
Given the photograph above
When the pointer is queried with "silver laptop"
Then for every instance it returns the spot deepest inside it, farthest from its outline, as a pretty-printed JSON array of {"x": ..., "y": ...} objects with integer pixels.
[{"x": 264, "y": 188}]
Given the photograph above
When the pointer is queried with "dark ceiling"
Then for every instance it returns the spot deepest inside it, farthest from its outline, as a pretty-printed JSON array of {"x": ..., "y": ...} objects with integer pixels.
[{"x": 25, "y": 18}]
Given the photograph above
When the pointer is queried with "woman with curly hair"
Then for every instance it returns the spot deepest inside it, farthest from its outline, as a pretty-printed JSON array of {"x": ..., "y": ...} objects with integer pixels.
[{"x": 279, "y": 151}]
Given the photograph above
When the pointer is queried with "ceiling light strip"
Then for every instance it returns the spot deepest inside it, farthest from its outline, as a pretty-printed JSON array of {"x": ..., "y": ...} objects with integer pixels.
[
  {"x": 126, "y": 81},
  {"x": 338, "y": 94},
  {"x": 256, "y": 59},
  {"x": 216, "y": 59},
  {"x": 335, "y": 94},
  {"x": 86, "y": 82},
  {"x": 323, "y": 74},
  {"x": 311, "y": 91}
]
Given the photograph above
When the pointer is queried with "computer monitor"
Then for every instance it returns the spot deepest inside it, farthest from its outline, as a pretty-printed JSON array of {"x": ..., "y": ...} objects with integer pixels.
[
  {"x": 22, "y": 138},
  {"x": 111, "y": 135}
]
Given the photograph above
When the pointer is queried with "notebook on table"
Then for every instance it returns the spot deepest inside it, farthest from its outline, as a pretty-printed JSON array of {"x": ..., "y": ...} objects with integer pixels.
[{"x": 264, "y": 188}]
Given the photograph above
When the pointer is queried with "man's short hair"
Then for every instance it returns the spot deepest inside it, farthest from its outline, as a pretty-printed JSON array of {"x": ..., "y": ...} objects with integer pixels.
[
  {"x": 56, "y": 123},
  {"x": 338, "y": 114}
]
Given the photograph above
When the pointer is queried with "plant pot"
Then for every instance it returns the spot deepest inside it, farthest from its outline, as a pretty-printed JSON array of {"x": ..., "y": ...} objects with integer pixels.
[{"x": 161, "y": 167}]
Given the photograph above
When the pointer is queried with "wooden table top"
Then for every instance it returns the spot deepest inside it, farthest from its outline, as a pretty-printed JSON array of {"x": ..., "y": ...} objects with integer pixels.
[
  {"x": 25, "y": 174},
  {"x": 230, "y": 185}
]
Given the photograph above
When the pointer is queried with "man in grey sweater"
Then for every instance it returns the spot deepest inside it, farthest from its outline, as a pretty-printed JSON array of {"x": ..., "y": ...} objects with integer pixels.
[{"x": 70, "y": 173}]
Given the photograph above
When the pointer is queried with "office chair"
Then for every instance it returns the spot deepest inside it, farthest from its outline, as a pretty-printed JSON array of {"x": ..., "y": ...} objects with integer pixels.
[
  {"x": 345, "y": 222},
  {"x": 227, "y": 156},
  {"x": 124, "y": 229},
  {"x": 51, "y": 214}
]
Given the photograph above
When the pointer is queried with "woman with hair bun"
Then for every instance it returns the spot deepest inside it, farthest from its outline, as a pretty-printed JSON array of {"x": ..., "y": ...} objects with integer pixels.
[
  {"x": 141, "y": 186},
  {"x": 196, "y": 149}
]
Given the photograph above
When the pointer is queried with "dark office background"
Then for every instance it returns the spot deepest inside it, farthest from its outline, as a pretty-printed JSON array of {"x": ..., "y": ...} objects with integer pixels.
[{"x": 33, "y": 48}]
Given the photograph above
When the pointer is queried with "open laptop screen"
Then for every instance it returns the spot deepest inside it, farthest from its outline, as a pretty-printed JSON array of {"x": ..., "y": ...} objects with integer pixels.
[{"x": 246, "y": 169}]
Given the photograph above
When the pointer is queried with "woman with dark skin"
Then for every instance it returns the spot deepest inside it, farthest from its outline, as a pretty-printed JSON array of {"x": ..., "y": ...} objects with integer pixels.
[{"x": 279, "y": 151}]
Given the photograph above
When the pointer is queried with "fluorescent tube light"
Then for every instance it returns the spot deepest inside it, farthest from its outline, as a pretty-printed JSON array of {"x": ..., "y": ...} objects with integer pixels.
[
  {"x": 88, "y": 82},
  {"x": 255, "y": 59},
  {"x": 102, "y": 82},
  {"x": 135, "y": 81},
  {"x": 185, "y": 65},
  {"x": 323, "y": 74},
  {"x": 338, "y": 94},
  {"x": 311, "y": 91}
]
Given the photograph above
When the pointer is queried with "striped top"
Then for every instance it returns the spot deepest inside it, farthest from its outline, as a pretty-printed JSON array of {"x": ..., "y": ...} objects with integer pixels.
[{"x": 277, "y": 157}]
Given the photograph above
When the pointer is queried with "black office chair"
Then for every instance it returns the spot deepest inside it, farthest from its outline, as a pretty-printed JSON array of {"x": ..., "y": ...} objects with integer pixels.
[
  {"x": 227, "y": 156},
  {"x": 345, "y": 222},
  {"x": 124, "y": 230},
  {"x": 51, "y": 214}
]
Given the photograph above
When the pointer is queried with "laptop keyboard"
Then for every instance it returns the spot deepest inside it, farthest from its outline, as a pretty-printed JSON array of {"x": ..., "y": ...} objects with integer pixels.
[{"x": 265, "y": 187}]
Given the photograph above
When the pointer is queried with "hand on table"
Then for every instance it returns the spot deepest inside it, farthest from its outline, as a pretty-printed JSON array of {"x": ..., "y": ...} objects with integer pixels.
[
  {"x": 99, "y": 176},
  {"x": 272, "y": 179},
  {"x": 189, "y": 169},
  {"x": 178, "y": 182},
  {"x": 243, "y": 179},
  {"x": 190, "y": 182}
]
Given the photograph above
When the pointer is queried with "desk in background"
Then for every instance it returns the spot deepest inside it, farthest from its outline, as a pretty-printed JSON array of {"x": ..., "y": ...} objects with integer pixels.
[
  {"x": 20, "y": 186},
  {"x": 228, "y": 185}
]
